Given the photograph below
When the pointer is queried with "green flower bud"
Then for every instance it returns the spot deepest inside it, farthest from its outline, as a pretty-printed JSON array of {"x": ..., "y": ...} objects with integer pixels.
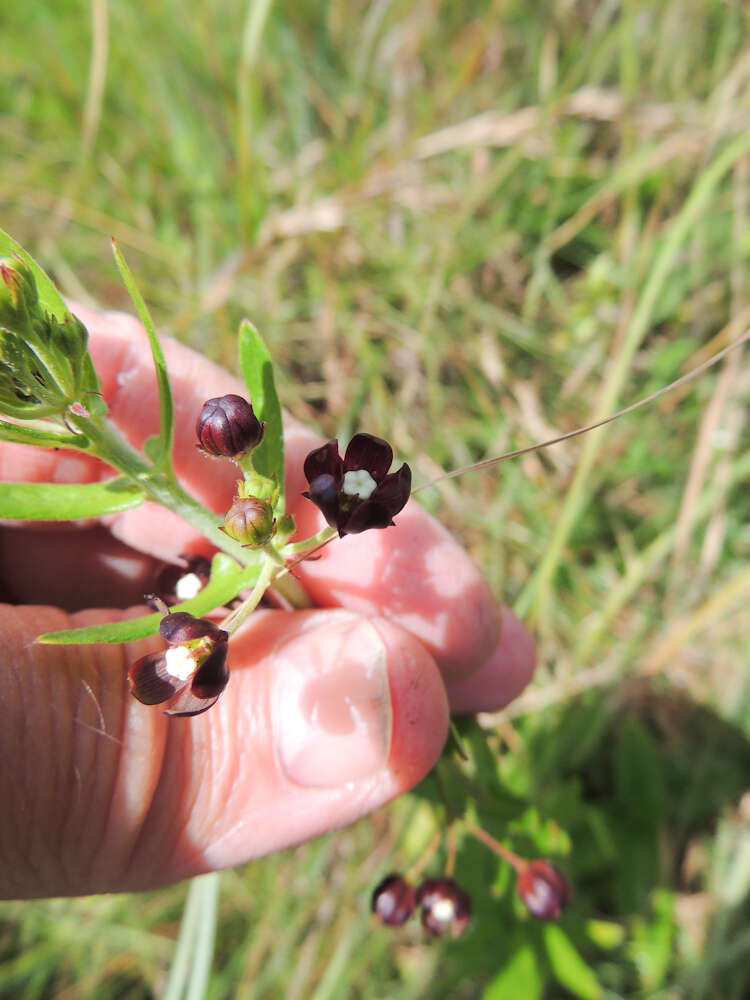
[
  {"x": 250, "y": 522},
  {"x": 45, "y": 367}
]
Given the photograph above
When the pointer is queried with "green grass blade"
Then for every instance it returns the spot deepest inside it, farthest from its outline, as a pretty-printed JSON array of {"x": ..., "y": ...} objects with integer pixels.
[
  {"x": 257, "y": 370},
  {"x": 191, "y": 967},
  {"x": 227, "y": 578},
  {"x": 180, "y": 968},
  {"x": 65, "y": 502},
  {"x": 583, "y": 484},
  {"x": 162, "y": 455},
  {"x": 203, "y": 950}
]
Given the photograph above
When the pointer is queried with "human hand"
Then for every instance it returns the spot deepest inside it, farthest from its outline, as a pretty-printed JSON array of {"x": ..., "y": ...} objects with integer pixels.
[{"x": 328, "y": 715}]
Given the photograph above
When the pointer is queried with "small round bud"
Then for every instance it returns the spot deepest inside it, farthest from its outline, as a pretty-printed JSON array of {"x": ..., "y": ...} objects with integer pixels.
[
  {"x": 446, "y": 907},
  {"x": 393, "y": 901},
  {"x": 543, "y": 890},
  {"x": 250, "y": 522},
  {"x": 227, "y": 427}
]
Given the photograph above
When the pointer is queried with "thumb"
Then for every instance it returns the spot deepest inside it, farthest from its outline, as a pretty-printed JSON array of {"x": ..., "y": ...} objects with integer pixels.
[{"x": 327, "y": 716}]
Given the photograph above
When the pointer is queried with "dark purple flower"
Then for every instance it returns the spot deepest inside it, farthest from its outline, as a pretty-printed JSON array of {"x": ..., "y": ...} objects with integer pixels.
[
  {"x": 189, "y": 676},
  {"x": 357, "y": 492},
  {"x": 446, "y": 907},
  {"x": 177, "y": 583},
  {"x": 228, "y": 427},
  {"x": 543, "y": 889},
  {"x": 393, "y": 901}
]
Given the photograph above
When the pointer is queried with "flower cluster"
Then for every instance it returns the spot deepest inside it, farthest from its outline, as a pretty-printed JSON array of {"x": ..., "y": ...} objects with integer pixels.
[
  {"x": 445, "y": 907},
  {"x": 355, "y": 493}
]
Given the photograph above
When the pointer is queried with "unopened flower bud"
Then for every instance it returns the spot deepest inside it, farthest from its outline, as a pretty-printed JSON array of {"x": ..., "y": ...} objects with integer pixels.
[
  {"x": 543, "y": 889},
  {"x": 250, "y": 522},
  {"x": 228, "y": 427},
  {"x": 393, "y": 901},
  {"x": 45, "y": 367},
  {"x": 446, "y": 907}
]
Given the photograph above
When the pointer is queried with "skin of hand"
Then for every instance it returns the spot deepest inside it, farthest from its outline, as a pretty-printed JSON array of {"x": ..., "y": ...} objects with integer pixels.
[{"x": 329, "y": 713}]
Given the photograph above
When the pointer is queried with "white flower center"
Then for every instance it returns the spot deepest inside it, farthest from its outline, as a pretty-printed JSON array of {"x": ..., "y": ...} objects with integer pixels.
[
  {"x": 180, "y": 663},
  {"x": 359, "y": 483},
  {"x": 188, "y": 586},
  {"x": 540, "y": 896},
  {"x": 443, "y": 911}
]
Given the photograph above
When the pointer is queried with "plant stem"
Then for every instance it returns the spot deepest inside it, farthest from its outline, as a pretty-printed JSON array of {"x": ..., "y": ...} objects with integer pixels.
[
  {"x": 109, "y": 445},
  {"x": 237, "y": 617},
  {"x": 308, "y": 544},
  {"x": 106, "y": 443},
  {"x": 494, "y": 845}
]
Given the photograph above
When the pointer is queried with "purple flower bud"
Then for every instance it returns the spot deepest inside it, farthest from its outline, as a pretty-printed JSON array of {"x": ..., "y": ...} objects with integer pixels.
[
  {"x": 543, "y": 889},
  {"x": 446, "y": 907},
  {"x": 393, "y": 901},
  {"x": 227, "y": 427},
  {"x": 250, "y": 522}
]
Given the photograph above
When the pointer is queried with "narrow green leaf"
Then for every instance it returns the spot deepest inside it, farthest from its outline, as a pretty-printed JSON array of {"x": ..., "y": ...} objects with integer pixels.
[
  {"x": 49, "y": 296},
  {"x": 23, "y": 434},
  {"x": 227, "y": 579},
  {"x": 520, "y": 978},
  {"x": 257, "y": 370},
  {"x": 568, "y": 967},
  {"x": 67, "y": 502},
  {"x": 166, "y": 406}
]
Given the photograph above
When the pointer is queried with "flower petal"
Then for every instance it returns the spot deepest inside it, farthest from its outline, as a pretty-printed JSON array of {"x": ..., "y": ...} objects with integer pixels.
[
  {"x": 186, "y": 704},
  {"x": 394, "y": 490},
  {"x": 324, "y": 494},
  {"x": 325, "y": 461},
  {"x": 366, "y": 451},
  {"x": 149, "y": 681},
  {"x": 180, "y": 626},
  {"x": 213, "y": 674},
  {"x": 363, "y": 517}
]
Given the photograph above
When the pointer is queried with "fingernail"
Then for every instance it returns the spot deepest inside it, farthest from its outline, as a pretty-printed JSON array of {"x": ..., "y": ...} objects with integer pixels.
[{"x": 332, "y": 704}]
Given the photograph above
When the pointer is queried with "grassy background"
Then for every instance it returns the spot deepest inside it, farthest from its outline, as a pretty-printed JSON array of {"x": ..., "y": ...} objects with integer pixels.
[{"x": 466, "y": 227}]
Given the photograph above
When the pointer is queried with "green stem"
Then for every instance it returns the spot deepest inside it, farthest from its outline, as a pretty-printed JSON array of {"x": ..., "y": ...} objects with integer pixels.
[
  {"x": 233, "y": 622},
  {"x": 292, "y": 591},
  {"x": 308, "y": 544},
  {"x": 108, "y": 444}
]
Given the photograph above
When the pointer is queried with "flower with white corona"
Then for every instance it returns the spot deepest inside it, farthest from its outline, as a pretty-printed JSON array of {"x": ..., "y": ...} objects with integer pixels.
[
  {"x": 188, "y": 677},
  {"x": 357, "y": 492}
]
